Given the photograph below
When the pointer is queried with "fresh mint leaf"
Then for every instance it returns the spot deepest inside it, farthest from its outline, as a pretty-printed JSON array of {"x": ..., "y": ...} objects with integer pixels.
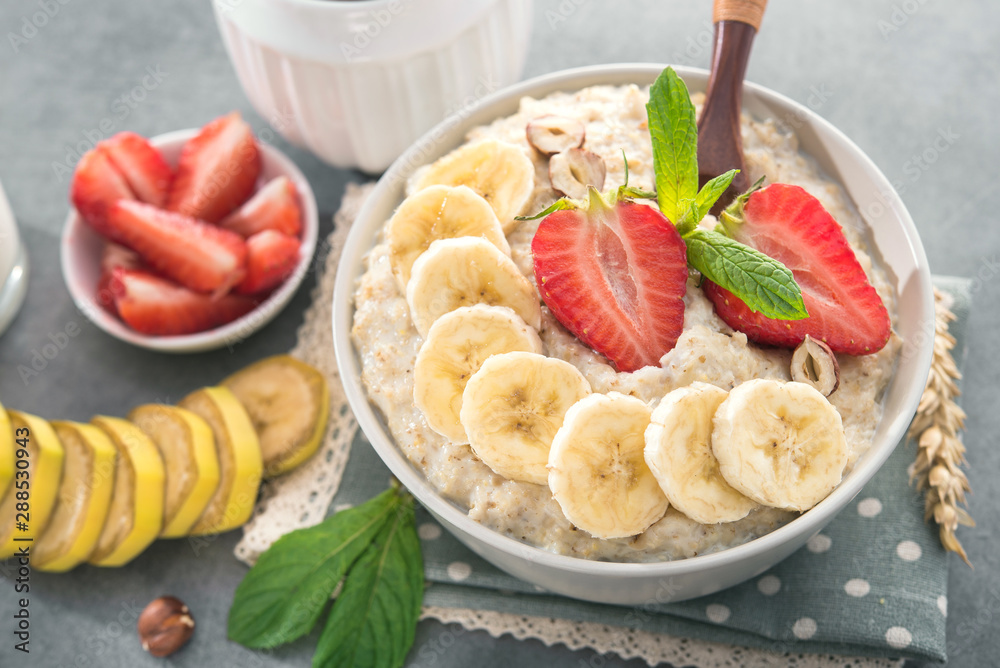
[
  {"x": 674, "y": 133},
  {"x": 374, "y": 618},
  {"x": 761, "y": 282},
  {"x": 283, "y": 595},
  {"x": 711, "y": 192}
]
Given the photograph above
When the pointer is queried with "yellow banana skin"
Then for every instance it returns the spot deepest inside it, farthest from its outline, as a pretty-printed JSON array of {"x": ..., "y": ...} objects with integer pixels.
[
  {"x": 44, "y": 474},
  {"x": 145, "y": 504},
  {"x": 88, "y": 480}
]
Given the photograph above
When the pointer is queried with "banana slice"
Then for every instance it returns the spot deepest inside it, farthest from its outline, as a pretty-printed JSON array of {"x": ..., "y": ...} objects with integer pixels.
[
  {"x": 679, "y": 453},
  {"x": 84, "y": 498},
  {"x": 501, "y": 173},
  {"x": 135, "y": 517},
  {"x": 191, "y": 465},
  {"x": 240, "y": 462},
  {"x": 456, "y": 346},
  {"x": 597, "y": 472},
  {"x": 40, "y": 478},
  {"x": 512, "y": 408},
  {"x": 6, "y": 452},
  {"x": 289, "y": 403},
  {"x": 464, "y": 271},
  {"x": 438, "y": 212},
  {"x": 781, "y": 444}
]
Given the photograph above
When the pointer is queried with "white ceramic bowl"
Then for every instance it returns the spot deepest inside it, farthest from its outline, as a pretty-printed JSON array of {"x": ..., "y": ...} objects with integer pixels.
[
  {"x": 893, "y": 234},
  {"x": 81, "y": 250},
  {"x": 357, "y": 82}
]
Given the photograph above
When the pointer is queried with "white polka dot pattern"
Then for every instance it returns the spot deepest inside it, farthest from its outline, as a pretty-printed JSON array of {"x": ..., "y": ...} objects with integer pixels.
[
  {"x": 804, "y": 628},
  {"x": 459, "y": 570},
  {"x": 819, "y": 543},
  {"x": 717, "y": 613},
  {"x": 769, "y": 585},
  {"x": 429, "y": 531},
  {"x": 869, "y": 507},
  {"x": 857, "y": 587},
  {"x": 908, "y": 550},
  {"x": 898, "y": 637}
]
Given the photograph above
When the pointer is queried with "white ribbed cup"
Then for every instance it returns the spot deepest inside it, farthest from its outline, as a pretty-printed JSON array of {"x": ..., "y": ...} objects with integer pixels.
[{"x": 356, "y": 82}]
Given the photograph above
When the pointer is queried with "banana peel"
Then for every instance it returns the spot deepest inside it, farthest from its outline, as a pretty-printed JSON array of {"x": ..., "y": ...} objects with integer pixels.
[
  {"x": 187, "y": 446},
  {"x": 88, "y": 480},
  {"x": 136, "y": 514}
]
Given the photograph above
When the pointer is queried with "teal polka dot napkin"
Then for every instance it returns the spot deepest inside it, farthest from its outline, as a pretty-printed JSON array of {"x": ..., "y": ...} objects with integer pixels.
[{"x": 872, "y": 583}]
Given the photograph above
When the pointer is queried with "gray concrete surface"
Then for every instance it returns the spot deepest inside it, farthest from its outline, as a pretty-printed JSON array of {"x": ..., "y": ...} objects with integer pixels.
[{"x": 892, "y": 74}]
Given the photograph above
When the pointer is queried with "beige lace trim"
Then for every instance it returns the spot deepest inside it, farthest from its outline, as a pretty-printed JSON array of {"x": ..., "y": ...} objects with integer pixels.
[
  {"x": 301, "y": 499},
  {"x": 653, "y": 648}
]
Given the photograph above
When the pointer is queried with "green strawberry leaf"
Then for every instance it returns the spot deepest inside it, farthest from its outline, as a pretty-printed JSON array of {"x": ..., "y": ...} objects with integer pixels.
[
  {"x": 374, "y": 619},
  {"x": 673, "y": 130},
  {"x": 283, "y": 595},
  {"x": 761, "y": 282},
  {"x": 558, "y": 205}
]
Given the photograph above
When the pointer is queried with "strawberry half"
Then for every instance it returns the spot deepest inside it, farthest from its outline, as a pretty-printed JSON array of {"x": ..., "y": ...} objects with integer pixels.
[
  {"x": 271, "y": 258},
  {"x": 790, "y": 225},
  {"x": 97, "y": 185},
  {"x": 615, "y": 276},
  {"x": 113, "y": 257},
  {"x": 217, "y": 170},
  {"x": 155, "y": 306},
  {"x": 273, "y": 207},
  {"x": 197, "y": 255},
  {"x": 148, "y": 175}
]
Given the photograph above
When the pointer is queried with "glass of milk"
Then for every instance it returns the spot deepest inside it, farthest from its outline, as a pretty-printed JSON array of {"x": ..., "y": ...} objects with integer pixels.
[{"x": 13, "y": 265}]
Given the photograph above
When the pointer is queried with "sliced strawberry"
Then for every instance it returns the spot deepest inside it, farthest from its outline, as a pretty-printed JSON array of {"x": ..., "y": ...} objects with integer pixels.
[
  {"x": 790, "y": 225},
  {"x": 97, "y": 185},
  {"x": 271, "y": 258},
  {"x": 143, "y": 168},
  {"x": 615, "y": 277},
  {"x": 156, "y": 306},
  {"x": 197, "y": 255},
  {"x": 273, "y": 207},
  {"x": 113, "y": 257},
  {"x": 217, "y": 170}
]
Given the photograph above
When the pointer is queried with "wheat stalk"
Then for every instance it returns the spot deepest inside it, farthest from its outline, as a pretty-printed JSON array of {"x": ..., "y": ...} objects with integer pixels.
[{"x": 935, "y": 428}]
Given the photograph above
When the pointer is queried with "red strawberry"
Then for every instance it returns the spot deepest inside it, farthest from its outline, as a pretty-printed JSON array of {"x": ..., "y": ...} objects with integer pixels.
[
  {"x": 143, "y": 168},
  {"x": 153, "y": 305},
  {"x": 97, "y": 185},
  {"x": 790, "y": 225},
  {"x": 217, "y": 170},
  {"x": 615, "y": 277},
  {"x": 271, "y": 258},
  {"x": 113, "y": 257},
  {"x": 197, "y": 255},
  {"x": 273, "y": 207}
]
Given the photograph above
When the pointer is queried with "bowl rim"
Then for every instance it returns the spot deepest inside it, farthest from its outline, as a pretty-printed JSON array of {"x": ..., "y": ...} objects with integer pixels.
[
  {"x": 358, "y": 244},
  {"x": 226, "y": 335}
]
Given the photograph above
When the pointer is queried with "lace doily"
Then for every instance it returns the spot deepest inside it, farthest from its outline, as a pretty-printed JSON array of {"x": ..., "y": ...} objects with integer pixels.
[
  {"x": 653, "y": 648},
  {"x": 301, "y": 498}
]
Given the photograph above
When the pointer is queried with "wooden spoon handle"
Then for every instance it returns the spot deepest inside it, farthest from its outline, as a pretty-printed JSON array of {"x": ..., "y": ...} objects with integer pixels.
[
  {"x": 720, "y": 143},
  {"x": 744, "y": 11}
]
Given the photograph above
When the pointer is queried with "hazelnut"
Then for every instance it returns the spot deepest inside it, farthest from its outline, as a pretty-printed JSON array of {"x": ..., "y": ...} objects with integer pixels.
[
  {"x": 572, "y": 171},
  {"x": 815, "y": 364},
  {"x": 165, "y": 625},
  {"x": 554, "y": 134}
]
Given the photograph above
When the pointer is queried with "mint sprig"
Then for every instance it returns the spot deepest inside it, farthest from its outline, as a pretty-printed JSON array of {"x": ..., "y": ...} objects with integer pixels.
[
  {"x": 374, "y": 551},
  {"x": 762, "y": 283}
]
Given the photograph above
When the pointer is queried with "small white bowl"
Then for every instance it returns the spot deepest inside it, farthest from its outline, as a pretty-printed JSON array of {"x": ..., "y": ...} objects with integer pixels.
[
  {"x": 893, "y": 235},
  {"x": 81, "y": 250},
  {"x": 357, "y": 82}
]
